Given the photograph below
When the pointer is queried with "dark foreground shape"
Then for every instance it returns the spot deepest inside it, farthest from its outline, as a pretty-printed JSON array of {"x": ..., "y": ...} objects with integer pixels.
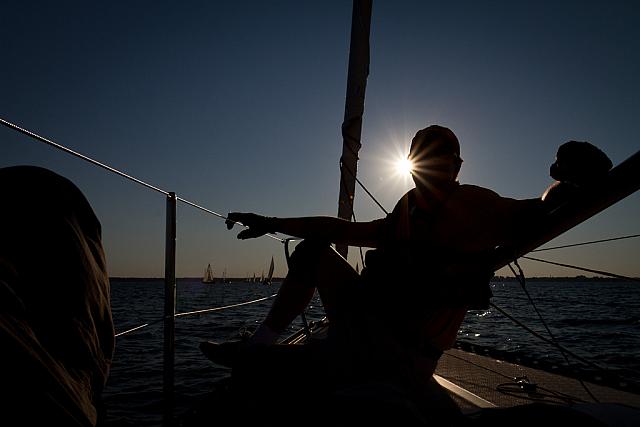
[
  {"x": 371, "y": 404},
  {"x": 535, "y": 414},
  {"x": 56, "y": 332},
  {"x": 286, "y": 385},
  {"x": 289, "y": 384},
  {"x": 223, "y": 354}
]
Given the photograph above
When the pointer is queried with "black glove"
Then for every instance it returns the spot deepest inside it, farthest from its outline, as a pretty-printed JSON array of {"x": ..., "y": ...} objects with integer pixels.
[{"x": 258, "y": 224}]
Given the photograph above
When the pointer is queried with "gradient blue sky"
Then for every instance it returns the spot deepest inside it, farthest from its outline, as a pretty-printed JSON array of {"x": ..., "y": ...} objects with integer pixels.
[{"x": 238, "y": 106}]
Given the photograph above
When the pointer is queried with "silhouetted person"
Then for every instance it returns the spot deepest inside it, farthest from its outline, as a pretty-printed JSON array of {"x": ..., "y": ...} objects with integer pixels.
[
  {"x": 56, "y": 330},
  {"x": 578, "y": 165},
  {"x": 390, "y": 324}
]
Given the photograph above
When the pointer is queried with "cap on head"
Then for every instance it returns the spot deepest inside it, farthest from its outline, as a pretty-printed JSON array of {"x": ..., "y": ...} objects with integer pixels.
[
  {"x": 435, "y": 141},
  {"x": 580, "y": 162}
]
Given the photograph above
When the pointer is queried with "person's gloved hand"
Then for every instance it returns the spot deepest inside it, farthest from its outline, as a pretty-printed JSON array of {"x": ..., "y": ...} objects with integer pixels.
[{"x": 258, "y": 225}]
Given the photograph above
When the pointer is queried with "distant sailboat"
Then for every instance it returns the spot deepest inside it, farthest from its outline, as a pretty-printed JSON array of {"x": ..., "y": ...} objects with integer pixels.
[
  {"x": 267, "y": 280},
  {"x": 208, "y": 275}
]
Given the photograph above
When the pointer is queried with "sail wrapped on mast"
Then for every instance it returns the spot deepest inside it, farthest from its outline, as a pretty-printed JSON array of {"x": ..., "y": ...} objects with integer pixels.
[{"x": 354, "y": 109}]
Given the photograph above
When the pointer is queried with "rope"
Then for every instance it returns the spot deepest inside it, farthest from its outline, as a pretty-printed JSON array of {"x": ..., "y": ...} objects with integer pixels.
[
  {"x": 554, "y": 393},
  {"x": 547, "y": 340},
  {"x": 521, "y": 279},
  {"x": 207, "y": 310},
  {"x": 562, "y": 349},
  {"x": 604, "y": 273},
  {"x": 587, "y": 243}
]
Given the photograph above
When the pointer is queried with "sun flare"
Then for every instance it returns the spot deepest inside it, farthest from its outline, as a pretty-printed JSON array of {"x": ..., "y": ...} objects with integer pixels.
[{"x": 404, "y": 167}]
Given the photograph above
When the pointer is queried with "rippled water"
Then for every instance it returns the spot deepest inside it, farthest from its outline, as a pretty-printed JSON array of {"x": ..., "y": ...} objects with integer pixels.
[{"x": 596, "y": 320}]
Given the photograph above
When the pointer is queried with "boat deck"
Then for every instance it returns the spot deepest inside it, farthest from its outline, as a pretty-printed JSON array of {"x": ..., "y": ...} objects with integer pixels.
[
  {"x": 477, "y": 381},
  {"x": 491, "y": 381}
]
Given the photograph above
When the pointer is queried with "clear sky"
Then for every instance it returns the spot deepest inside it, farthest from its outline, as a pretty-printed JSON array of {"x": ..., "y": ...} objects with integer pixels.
[{"x": 237, "y": 106}]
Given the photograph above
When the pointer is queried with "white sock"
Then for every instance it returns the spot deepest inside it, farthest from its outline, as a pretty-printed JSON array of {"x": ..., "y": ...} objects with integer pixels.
[{"x": 264, "y": 335}]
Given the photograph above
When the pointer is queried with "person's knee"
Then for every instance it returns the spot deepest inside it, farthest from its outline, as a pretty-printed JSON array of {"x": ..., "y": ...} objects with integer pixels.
[
  {"x": 308, "y": 260},
  {"x": 309, "y": 252}
]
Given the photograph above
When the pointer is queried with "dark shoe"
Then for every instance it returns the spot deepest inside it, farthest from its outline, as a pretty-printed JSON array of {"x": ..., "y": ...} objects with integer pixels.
[{"x": 224, "y": 354}]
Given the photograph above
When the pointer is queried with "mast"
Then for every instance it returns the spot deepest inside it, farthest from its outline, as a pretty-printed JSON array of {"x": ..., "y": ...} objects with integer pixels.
[{"x": 354, "y": 109}]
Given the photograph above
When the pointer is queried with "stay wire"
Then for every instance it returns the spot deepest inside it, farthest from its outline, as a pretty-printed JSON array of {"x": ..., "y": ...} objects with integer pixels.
[
  {"x": 281, "y": 240},
  {"x": 111, "y": 169},
  {"x": 631, "y": 236},
  {"x": 190, "y": 313},
  {"x": 590, "y": 270},
  {"x": 342, "y": 165},
  {"x": 521, "y": 279},
  {"x": 79, "y": 155}
]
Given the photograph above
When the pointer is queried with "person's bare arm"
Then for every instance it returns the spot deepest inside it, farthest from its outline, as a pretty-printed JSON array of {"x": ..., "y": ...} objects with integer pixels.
[{"x": 330, "y": 229}]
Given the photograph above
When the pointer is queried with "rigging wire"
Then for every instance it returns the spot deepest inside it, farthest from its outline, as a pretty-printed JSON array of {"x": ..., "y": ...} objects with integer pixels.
[
  {"x": 209, "y": 310},
  {"x": 79, "y": 155},
  {"x": 190, "y": 313},
  {"x": 604, "y": 273},
  {"x": 342, "y": 168},
  {"x": 111, "y": 169},
  {"x": 137, "y": 327},
  {"x": 631, "y": 236},
  {"x": 556, "y": 394},
  {"x": 521, "y": 279},
  {"x": 537, "y": 335},
  {"x": 345, "y": 167},
  {"x": 547, "y": 340}
]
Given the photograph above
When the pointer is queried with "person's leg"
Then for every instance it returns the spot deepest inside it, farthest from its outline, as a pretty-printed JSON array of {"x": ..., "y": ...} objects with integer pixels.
[{"x": 313, "y": 265}]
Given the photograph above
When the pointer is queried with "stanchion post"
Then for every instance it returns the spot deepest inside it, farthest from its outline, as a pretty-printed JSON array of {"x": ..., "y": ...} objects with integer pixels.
[{"x": 169, "y": 311}]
